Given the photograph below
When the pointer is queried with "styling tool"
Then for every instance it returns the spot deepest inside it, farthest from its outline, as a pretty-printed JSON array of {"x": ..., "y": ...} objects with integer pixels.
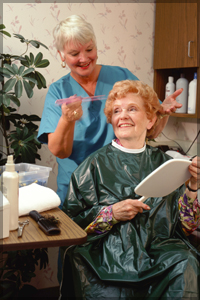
[
  {"x": 83, "y": 99},
  {"x": 21, "y": 227},
  {"x": 45, "y": 224}
]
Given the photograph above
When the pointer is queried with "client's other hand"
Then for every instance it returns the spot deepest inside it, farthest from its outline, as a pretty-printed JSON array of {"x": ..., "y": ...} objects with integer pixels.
[{"x": 127, "y": 209}]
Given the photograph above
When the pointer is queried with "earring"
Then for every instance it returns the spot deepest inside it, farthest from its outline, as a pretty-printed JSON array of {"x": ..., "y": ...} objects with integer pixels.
[{"x": 63, "y": 64}]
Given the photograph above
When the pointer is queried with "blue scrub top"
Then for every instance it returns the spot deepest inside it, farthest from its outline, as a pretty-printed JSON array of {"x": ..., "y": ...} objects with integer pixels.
[{"x": 92, "y": 131}]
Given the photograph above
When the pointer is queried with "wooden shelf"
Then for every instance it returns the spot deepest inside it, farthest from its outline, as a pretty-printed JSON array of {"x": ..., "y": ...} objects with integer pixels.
[
  {"x": 184, "y": 115},
  {"x": 176, "y": 24}
]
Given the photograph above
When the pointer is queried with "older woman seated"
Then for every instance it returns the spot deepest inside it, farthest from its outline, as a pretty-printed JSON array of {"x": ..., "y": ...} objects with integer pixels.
[{"x": 134, "y": 249}]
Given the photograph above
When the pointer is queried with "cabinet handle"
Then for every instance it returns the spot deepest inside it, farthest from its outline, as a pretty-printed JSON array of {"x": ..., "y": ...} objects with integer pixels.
[{"x": 189, "y": 48}]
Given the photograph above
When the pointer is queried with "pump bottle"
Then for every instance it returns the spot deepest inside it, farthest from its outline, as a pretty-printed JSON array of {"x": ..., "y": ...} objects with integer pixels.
[
  {"x": 170, "y": 87},
  {"x": 10, "y": 182},
  {"x": 182, "y": 82},
  {"x": 192, "y": 96}
]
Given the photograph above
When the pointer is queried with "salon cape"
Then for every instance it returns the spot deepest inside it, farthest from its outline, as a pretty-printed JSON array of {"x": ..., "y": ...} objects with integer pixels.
[
  {"x": 92, "y": 131},
  {"x": 148, "y": 256}
]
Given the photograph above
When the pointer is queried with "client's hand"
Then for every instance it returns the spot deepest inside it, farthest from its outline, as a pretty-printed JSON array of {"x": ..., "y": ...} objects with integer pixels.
[
  {"x": 127, "y": 209},
  {"x": 194, "y": 169},
  {"x": 73, "y": 111}
]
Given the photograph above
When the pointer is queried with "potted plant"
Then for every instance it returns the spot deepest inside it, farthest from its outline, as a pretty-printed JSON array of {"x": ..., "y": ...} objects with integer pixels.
[
  {"x": 18, "y": 74},
  {"x": 17, "y": 268},
  {"x": 22, "y": 75}
]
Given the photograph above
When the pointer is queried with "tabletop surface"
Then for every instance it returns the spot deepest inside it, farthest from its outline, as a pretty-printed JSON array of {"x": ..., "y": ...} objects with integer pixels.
[{"x": 34, "y": 237}]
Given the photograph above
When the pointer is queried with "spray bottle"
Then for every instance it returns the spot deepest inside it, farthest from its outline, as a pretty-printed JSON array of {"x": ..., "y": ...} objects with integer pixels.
[{"x": 10, "y": 183}]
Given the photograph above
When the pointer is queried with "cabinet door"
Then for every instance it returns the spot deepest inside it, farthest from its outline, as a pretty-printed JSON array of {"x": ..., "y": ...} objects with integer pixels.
[{"x": 175, "y": 33}]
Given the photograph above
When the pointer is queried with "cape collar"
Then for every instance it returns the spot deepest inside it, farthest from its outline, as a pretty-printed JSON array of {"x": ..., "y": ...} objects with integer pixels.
[{"x": 123, "y": 149}]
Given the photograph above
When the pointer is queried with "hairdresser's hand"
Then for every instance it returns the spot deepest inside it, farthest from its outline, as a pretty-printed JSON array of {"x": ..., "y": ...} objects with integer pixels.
[
  {"x": 127, "y": 209},
  {"x": 170, "y": 104},
  {"x": 194, "y": 169},
  {"x": 73, "y": 111}
]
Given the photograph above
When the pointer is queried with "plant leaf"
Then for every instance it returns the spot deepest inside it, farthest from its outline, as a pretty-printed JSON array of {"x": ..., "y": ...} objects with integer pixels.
[
  {"x": 18, "y": 89},
  {"x": 28, "y": 71},
  {"x": 38, "y": 58},
  {"x": 18, "y": 132},
  {"x": 5, "y": 71},
  {"x": 25, "y": 132},
  {"x": 43, "y": 64},
  {"x": 19, "y": 36},
  {"x": 34, "y": 43},
  {"x": 7, "y": 66},
  {"x": 40, "y": 79},
  {"x": 28, "y": 89},
  {"x": 21, "y": 58},
  {"x": 31, "y": 58},
  {"x": 31, "y": 117},
  {"x": 21, "y": 70},
  {"x": 9, "y": 84},
  {"x": 30, "y": 79},
  {"x": 15, "y": 68},
  {"x": 14, "y": 99},
  {"x": 27, "y": 58},
  {"x": 5, "y": 32},
  {"x": 4, "y": 99},
  {"x": 9, "y": 274},
  {"x": 30, "y": 138},
  {"x": 41, "y": 44}
]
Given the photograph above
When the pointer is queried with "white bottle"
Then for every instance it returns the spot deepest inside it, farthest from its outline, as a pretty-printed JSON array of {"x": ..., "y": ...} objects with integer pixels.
[
  {"x": 10, "y": 181},
  {"x": 192, "y": 96},
  {"x": 170, "y": 87},
  {"x": 183, "y": 97}
]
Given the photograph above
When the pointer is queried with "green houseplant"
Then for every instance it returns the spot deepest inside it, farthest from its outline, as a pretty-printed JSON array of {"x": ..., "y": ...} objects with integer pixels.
[
  {"x": 17, "y": 268},
  {"x": 19, "y": 74}
]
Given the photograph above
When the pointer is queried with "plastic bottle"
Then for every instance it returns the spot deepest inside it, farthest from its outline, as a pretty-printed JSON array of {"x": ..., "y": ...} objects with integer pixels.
[
  {"x": 192, "y": 96},
  {"x": 182, "y": 82},
  {"x": 170, "y": 87},
  {"x": 10, "y": 180}
]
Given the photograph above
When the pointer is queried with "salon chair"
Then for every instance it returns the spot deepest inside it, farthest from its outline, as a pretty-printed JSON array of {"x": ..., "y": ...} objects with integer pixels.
[{"x": 194, "y": 238}]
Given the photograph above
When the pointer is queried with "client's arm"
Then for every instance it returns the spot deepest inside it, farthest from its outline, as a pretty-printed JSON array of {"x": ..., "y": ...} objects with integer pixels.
[
  {"x": 103, "y": 222},
  {"x": 189, "y": 213},
  {"x": 189, "y": 206},
  {"x": 111, "y": 215}
]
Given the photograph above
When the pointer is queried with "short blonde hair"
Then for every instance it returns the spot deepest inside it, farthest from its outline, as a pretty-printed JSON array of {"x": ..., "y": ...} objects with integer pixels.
[
  {"x": 149, "y": 96},
  {"x": 75, "y": 29}
]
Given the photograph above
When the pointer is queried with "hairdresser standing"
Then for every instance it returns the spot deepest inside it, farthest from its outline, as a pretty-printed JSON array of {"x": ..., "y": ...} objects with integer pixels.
[{"x": 76, "y": 130}]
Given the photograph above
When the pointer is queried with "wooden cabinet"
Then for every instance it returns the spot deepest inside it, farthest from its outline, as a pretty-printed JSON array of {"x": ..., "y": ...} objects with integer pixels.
[{"x": 177, "y": 45}]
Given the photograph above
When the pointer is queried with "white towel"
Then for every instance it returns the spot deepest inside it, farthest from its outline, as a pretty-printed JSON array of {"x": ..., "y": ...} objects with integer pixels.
[{"x": 36, "y": 197}]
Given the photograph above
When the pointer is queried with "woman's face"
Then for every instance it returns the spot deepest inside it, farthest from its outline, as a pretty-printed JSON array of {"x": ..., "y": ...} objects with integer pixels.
[
  {"x": 81, "y": 59},
  {"x": 129, "y": 121}
]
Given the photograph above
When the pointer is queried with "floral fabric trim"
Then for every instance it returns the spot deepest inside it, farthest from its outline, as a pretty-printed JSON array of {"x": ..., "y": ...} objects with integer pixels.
[
  {"x": 189, "y": 210},
  {"x": 103, "y": 222},
  {"x": 189, "y": 213}
]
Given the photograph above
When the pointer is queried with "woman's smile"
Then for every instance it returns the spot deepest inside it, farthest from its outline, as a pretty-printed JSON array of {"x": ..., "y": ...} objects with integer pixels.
[
  {"x": 84, "y": 66},
  {"x": 81, "y": 59},
  {"x": 129, "y": 121},
  {"x": 125, "y": 125}
]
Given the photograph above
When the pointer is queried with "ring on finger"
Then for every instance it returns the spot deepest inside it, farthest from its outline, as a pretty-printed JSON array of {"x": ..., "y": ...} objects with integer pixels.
[{"x": 75, "y": 113}]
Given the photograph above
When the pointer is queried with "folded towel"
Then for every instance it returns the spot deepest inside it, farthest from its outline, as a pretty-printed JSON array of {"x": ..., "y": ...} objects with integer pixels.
[{"x": 36, "y": 197}]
